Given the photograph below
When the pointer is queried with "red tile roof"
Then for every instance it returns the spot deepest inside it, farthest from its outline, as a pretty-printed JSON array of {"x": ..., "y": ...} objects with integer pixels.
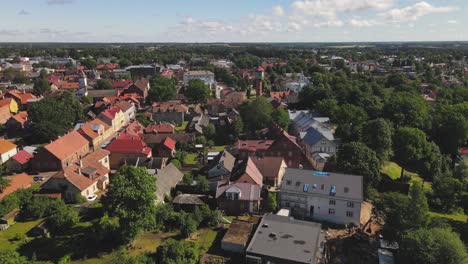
[
  {"x": 280, "y": 95},
  {"x": 111, "y": 112},
  {"x": 21, "y": 117},
  {"x": 160, "y": 128},
  {"x": 171, "y": 106},
  {"x": 109, "y": 66},
  {"x": 65, "y": 146},
  {"x": 22, "y": 96},
  {"x": 135, "y": 129},
  {"x": 464, "y": 151},
  {"x": 5, "y": 102},
  {"x": 121, "y": 84},
  {"x": 249, "y": 192},
  {"x": 129, "y": 145},
  {"x": 68, "y": 85},
  {"x": 20, "y": 181},
  {"x": 22, "y": 157},
  {"x": 254, "y": 145},
  {"x": 259, "y": 69},
  {"x": 89, "y": 129},
  {"x": 169, "y": 143}
]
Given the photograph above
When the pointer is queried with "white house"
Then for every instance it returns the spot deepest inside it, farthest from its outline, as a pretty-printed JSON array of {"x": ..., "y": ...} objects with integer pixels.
[{"x": 7, "y": 150}]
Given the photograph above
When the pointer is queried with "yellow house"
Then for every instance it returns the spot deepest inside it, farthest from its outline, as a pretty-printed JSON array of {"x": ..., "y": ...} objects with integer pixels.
[
  {"x": 96, "y": 132},
  {"x": 13, "y": 105},
  {"x": 114, "y": 117}
]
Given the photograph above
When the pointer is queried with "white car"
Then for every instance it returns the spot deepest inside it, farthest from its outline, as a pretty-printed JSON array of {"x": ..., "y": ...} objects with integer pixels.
[{"x": 92, "y": 198}]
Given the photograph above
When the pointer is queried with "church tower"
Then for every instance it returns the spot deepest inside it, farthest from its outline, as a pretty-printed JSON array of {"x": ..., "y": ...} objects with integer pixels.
[{"x": 259, "y": 75}]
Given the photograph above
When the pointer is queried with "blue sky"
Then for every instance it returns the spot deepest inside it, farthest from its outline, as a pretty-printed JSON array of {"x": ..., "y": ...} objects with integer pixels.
[{"x": 233, "y": 21}]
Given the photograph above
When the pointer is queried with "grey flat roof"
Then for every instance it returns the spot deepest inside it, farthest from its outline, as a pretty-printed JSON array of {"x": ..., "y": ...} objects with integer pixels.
[{"x": 286, "y": 238}]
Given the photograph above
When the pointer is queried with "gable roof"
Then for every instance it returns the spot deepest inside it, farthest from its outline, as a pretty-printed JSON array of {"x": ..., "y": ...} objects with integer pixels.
[
  {"x": 249, "y": 168},
  {"x": 170, "y": 106},
  {"x": 160, "y": 128},
  {"x": 254, "y": 145},
  {"x": 6, "y": 146},
  {"x": 124, "y": 105},
  {"x": 159, "y": 138},
  {"x": 111, "y": 112},
  {"x": 142, "y": 84},
  {"x": 91, "y": 129},
  {"x": 249, "y": 192},
  {"x": 128, "y": 144},
  {"x": 185, "y": 198},
  {"x": 5, "y": 102},
  {"x": 23, "y": 97},
  {"x": 269, "y": 167},
  {"x": 67, "y": 145},
  {"x": 226, "y": 159},
  {"x": 169, "y": 143},
  {"x": 22, "y": 157},
  {"x": 21, "y": 117},
  {"x": 166, "y": 179},
  {"x": 135, "y": 129},
  {"x": 20, "y": 181}
]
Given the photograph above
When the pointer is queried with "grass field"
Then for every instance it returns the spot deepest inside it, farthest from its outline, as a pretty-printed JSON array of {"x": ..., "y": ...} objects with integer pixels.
[
  {"x": 182, "y": 127},
  {"x": 204, "y": 238},
  {"x": 456, "y": 217},
  {"x": 191, "y": 159},
  {"x": 217, "y": 149},
  {"x": 393, "y": 170},
  {"x": 7, "y": 237}
]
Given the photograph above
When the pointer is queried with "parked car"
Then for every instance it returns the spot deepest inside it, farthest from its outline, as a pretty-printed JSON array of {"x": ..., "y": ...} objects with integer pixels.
[
  {"x": 39, "y": 178},
  {"x": 92, "y": 198}
]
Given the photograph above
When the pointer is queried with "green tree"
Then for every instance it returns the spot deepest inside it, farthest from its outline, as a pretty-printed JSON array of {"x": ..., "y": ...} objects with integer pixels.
[
  {"x": 447, "y": 192},
  {"x": 63, "y": 218},
  {"x": 104, "y": 84},
  {"x": 123, "y": 63},
  {"x": 271, "y": 203},
  {"x": 178, "y": 252},
  {"x": 450, "y": 127},
  {"x": 409, "y": 147},
  {"x": 41, "y": 86},
  {"x": 162, "y": 89},
  {"x": 350, "y": 120},
  {"x": 281, "y": 117},
  {"x": 432, "y": 246},
  {"x": 209, "y": 132},
  {"x": 131, "y": 197},
  {"x": 89, "y": 63},
  {"x": 12, "y": 257},
  {"x": 188, "y": 225},
  {"x": 407, "y": 109},
  {"x": 198, "y": 91},
  {"x": 262, "y": 117},
  {"x": 377, "y": 135},
  {"x": 357, "y": 158},
  {"x": 3, "y": 183}
]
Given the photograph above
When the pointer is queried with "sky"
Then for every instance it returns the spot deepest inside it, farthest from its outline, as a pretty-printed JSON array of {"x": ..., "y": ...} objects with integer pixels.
[{"x": 233, "y": 21}]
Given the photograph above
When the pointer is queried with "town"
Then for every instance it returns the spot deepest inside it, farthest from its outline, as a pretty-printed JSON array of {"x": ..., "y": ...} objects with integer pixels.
[{"x": 255, "y": 153}]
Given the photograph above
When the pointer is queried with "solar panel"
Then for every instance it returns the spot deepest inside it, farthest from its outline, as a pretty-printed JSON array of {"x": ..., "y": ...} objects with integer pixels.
[{"x": 321, "y": 173}]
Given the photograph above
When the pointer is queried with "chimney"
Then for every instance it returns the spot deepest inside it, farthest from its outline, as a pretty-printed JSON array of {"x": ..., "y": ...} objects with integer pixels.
[
  {"x": 79, "y": 170},
  {"x": 81, "y": 164}
]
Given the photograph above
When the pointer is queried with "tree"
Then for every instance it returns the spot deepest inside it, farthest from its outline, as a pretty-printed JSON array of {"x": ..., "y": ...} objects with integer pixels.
[
  {"x": 54, "y": 116},
  {"x": 377, "y": 135},
  {"x": 162, "y": 89},
  {"x": 409, "y": 147},
  {"x": 238, "y": 127},
  {"x": 203, "y": 185},
  {"x": 432, "y": 246},
  {"x": 131, "y": 197},
  {"x": 3, "y": 183},
  {"x": 281, "y": 117},
  {"x": 41, "y": 86},
  {"x": 123, "y": 63},
  {"x": 63, "y": 218},
  {"x": 262, "y": 117},
  {"x": 188, "y": 225},
  {"x": 178, "y": 252},
  {"x": 89, "y": 63},
  {"x": 12, "y": 257},
  {"x": 197, "y": 91},
  {"x": 104, "y": 84},
  {"x": 271, "y": 203},
  {"x": 209, "y": 132},
  {"x": 450, "y": 127},
  {"x": 447, "y": 192},
  {"x": 357, "y": 158},
  {"x": 350, "y": 120},
  {"x": 407, "y": 109}
]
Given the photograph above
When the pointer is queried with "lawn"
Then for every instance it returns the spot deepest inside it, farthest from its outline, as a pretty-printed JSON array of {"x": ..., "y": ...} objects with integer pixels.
[
  {"x": 204, "y": 238},
  {"x": 456, "y": 217},
  {"x": 393, "y": 170},
  {"x": 149, "y": 241},
  {"x": 7, "y": 241},
  {"x": 217, "y": 148},
  {"x": 182, "y": 127},
  {"x": 191, "y": 159}
]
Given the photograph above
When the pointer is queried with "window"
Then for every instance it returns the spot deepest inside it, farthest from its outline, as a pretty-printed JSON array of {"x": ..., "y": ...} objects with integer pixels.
[
  {"x": 349, "y": 214},
  {"x": 322, "y": 186},
  {"x": 290, "y": 153},
  {"x": 288, "y": 182},
  {"x": 331, "y": 211},
  {"x": 333, "y": 190},
  {"x": 306, "y": 187},
  {"x": 314, "y": 186},
  {"x": 350, "y": 204},
  {"x": 298, "y": 183},
  {"x": 332, "y": 202},
  {"x": 286, "y": 204},
  {"x": 346, "y": 189}
]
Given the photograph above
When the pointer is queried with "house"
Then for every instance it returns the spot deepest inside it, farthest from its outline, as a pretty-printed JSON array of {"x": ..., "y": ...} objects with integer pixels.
[
  {"x": 99, "y": 95},
  {"x": 61, "y": 153},
  {"x": 222, "y": 165},
  {"x": 169, "y": 112},
  {"x": 206, "y": 76},
  {"x": 284, "y": 240},
  {"x": 151, "y": 164},
  {"x": 247, "y": 172},
  {"x": 121, "y": 84},
  {"x": 126, "y": 146},
  {"x": 85, "y": 178},
  {"x": 238, "y": 235},
  {"x": 166, "y": 179},
  {"x": 17, "y": 182},
  {"x": 237, "y": 198},
  {"x": 21, "y": 98},
  {"x": 161, "y": 128},
  {"x": 135, "y": 129},
  {"x": 7, "y": 150},
  {"x": 140, "y": 87},
  {"x": 128, "y": 110},
  {"x": 156, "y": 140},
  {"x": 284, "y": 146},
  {"x": 96, "y": 132},
  {"x": 114, "y": 117},
  {"x": 7, "y": 106},
  {"x": 9, "y": 219},
  {"x": 198, "y": 123},
  {"x": 16, "y": 126},
  {"x": 331, "y": 197},
  {"x": 187, "y": 202},
  {"x": 272, "y": 169},
  {"x": 20, "y": 161},
  {"x": 216, "y": 106},
  {"x": 167, "y": 148}
]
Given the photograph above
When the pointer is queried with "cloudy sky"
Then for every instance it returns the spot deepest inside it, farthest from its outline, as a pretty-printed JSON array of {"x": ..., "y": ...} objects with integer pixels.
[{"x": 233, "y": 21}]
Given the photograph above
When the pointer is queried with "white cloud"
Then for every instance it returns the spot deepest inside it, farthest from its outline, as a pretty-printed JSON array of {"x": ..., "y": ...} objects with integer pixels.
[
  {"x": 330, "y": 8},
  {"x": 452, "y": 22},
  {"x": 60, "y": 2},
  {"x": 278, "y": 10},
  {"x": 330, "y": 23},
  {"x": 414, "y": 12},
  {"x": 361, "y": 23},
  {"x": 23, "y": 13}
]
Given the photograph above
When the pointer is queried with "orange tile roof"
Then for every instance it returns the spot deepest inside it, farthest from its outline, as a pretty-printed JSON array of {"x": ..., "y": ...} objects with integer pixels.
[
  {"x": 67, "y": 145},
  {"x": 5, "y": 102},
  {"x": 21, "y": 117},
  {"x": 23, "y": 97},
  {"x": 20, "y": 181},
  {"x": 68, "y": 85},
  {"x": 87, "y": 129},
  {"x": 6, "y": 146}
]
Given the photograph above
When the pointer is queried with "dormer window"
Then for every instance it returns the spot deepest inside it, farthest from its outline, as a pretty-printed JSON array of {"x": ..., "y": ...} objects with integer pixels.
[
  {"x": 288, "y": 182},
  {"x": 306, "y": 187}
]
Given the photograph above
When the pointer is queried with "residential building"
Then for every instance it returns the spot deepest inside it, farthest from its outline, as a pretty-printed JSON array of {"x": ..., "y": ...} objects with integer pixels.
[
  {"x": 128, "y": 110},
  {"x": 7, "y": 150},
  {"x": 22, "y": 98},
  {"x": 160, "y": 128},
  {"x": 247, "y": 172},
  {"x": 158, "y": 139},
  {"x": 169, "y": 112},
  {"x": 272, "y": 169},
  {"x": 167, "y": 179},
  {"x": 86, "y": 177},
  {"x": 140, "y": 87},
  {"x": 96, "y": 132},
  {"x": 61, "y": 153},
  {"x": 16, "y": 125},
  {"x": 126, "y": 146},
  {"x": 331, "y": 197},
  {"x": 284, "y": 240},
  {"x": 135, "y": 129},
  {"x": 114, "y": 117},
  {"x": 7, "y": 107},
  {"x": 20, "y": 161},
  {"x": 17, "y": 182},
  {"x": 167, "y": 148},
  {"x": 238, "y": 235},
  {"x": 238, "y": 198},
  {"x": 206, "y": 76},
  {"x": 222, "y": 165}
]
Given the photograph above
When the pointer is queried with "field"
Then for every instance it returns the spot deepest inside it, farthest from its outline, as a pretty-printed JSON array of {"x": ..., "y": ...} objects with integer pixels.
[
  {"x": 182, "y": 127},
  {"x": 393, "y": 170},
  {"x": 7, "y": 237}
]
